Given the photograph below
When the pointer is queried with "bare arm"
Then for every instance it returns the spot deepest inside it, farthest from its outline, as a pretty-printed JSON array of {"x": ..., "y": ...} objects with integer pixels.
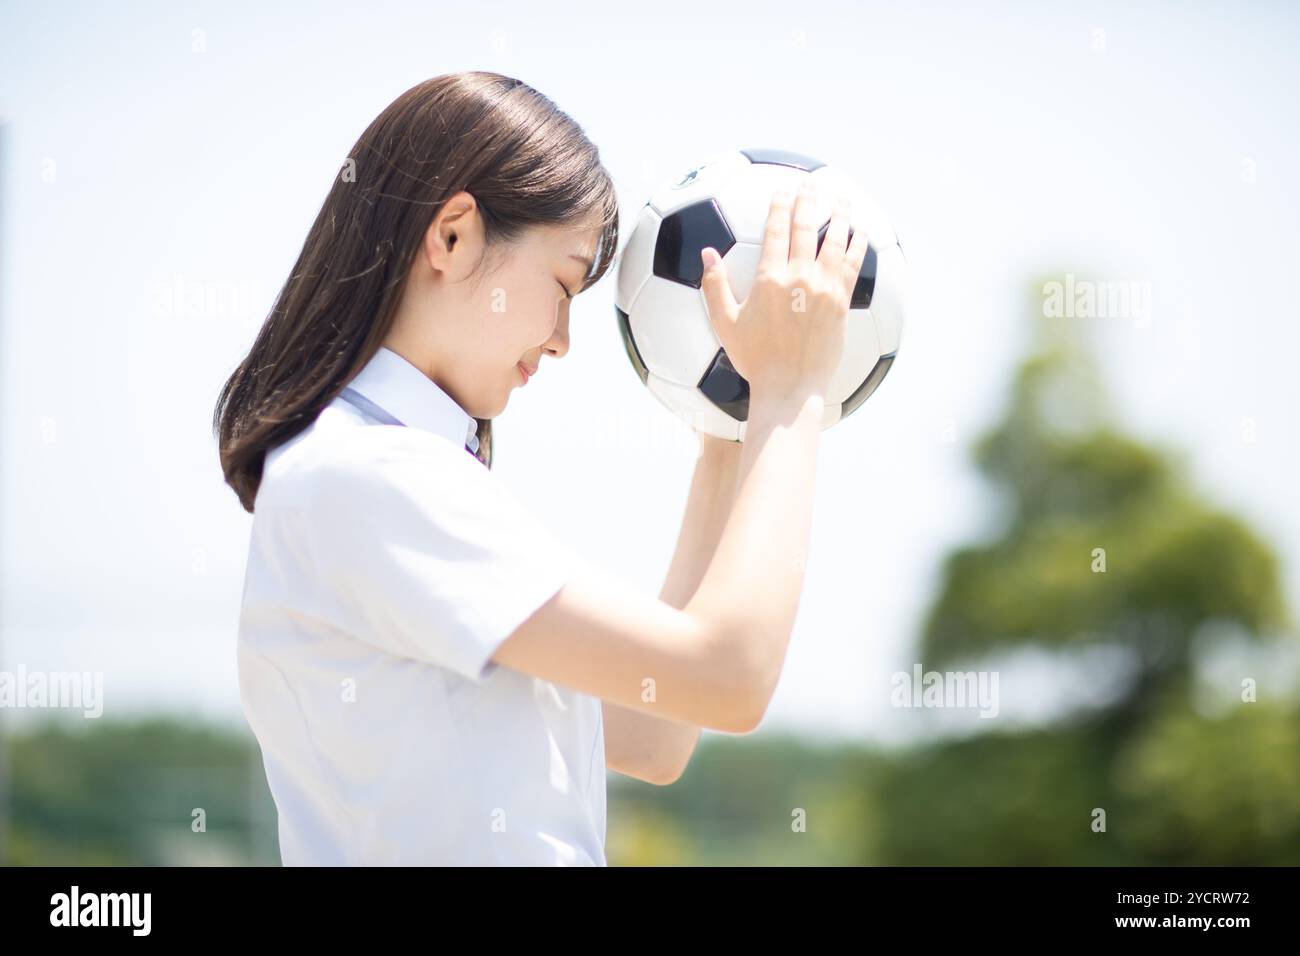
[
  {"x": 713, "y": 492},
  {"x": 754, "y": 582},
  {"x": 715, "y": 661},
  {"x": 651, "y": 748}
]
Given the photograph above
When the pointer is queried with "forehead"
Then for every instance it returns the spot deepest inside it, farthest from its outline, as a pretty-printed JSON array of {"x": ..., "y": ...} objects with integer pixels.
[{"x": 561, "y": 243}]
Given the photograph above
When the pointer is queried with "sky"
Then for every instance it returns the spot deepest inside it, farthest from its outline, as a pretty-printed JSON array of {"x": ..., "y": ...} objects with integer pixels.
[{"x": 163, "y": 161}]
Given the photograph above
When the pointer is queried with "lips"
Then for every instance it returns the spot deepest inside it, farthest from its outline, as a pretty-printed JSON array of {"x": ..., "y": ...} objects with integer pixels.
[{"x": 527, "y": 372}]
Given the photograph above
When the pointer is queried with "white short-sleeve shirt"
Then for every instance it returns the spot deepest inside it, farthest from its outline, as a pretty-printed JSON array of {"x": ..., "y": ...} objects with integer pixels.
[{"x": 386, "y": 565}]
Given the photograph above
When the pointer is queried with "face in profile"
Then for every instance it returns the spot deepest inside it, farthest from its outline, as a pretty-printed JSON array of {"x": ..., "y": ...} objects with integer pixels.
[{"x": 477, "y": 317}]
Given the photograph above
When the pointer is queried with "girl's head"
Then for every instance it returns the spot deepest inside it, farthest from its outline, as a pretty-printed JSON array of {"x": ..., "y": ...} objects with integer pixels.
[{"x": 461, "y": 222}]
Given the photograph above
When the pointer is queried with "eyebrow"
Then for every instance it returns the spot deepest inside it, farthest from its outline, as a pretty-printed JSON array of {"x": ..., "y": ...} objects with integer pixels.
[{"x": 582, "y": 285}]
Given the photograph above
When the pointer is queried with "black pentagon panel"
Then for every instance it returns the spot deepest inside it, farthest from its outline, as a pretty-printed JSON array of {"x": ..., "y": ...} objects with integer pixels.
[
  {"x": 866, "y": 284},
  {"x": 781, "y": 157},
  {"x": 821, "y": 236},
  {"x": 869, "y": 385},
  {"x": 633, "y": 354},
  {"x": 723, "y": 386},
  {"x": 683, "y": 235}
]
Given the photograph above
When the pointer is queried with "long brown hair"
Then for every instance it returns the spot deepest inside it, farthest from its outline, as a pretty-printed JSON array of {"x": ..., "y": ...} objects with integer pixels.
[{"x": 524, "y": 161}]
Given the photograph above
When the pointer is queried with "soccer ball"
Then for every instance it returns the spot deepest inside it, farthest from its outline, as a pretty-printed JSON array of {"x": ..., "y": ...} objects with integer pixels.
[{"x": 723, "y": 203}]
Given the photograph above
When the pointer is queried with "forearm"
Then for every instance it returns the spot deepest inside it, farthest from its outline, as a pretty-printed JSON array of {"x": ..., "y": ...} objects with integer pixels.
[
  {"x": 712, "y": 493},
  {"x": 750, "y": 591}
]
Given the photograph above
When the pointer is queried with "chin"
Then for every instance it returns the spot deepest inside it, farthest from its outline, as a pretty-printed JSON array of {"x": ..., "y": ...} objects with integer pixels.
[{"x": 495, "y": 409}]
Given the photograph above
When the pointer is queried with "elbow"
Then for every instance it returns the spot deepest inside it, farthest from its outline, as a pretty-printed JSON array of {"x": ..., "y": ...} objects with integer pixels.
[
  {"x": 736, "y": 670},
  {"x": 748, "y": 685},
  {"x": 737, "y": 715},
  {"x": 751, "y": 714},
  {"x": 669, "y": 776},
  {"x": 672, "y": 772}
]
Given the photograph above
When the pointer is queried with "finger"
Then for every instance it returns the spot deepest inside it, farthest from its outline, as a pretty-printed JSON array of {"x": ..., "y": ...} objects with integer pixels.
[
  {"x": 834, "y": 244},
  {"x": 718, "y": 297},
  {"x": 803, "y": 231},
  {"x": 776, "y": 234},
  {"x": 853, "y": 258}
]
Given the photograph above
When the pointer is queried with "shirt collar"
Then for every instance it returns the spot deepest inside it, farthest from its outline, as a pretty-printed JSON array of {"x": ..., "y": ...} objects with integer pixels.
[{"x": 401, "y": 389}]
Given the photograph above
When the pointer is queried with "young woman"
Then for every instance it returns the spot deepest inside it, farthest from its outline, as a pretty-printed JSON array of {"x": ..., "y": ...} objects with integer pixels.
[{"x": 431, "y": 676}]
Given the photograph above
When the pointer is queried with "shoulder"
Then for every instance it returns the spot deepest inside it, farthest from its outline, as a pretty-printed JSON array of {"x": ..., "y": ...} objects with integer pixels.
[{"x": 336, "y": 460}]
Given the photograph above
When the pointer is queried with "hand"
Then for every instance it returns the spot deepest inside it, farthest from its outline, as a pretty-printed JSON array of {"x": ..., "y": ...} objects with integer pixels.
[{"x": 788, "y": 335}]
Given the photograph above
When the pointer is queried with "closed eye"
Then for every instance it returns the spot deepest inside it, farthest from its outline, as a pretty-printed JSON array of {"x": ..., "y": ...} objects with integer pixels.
[{"x": 567, "y": 294}]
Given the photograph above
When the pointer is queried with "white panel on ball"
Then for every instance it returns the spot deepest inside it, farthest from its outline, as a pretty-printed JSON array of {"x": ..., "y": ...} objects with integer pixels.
[
  {"x": 889, "y": 301},
  {"x": 865, "y": 212},
  {"x": 699, "y": 183},
  {"x": 746, "y": 197},
  {"x": 672, "y": 331},
  {"x": 742, "y": 265},
  {"x": 637, "y": 260},
  {"x": 691, "y": 405},
  {"x": 861, "y": 350}
]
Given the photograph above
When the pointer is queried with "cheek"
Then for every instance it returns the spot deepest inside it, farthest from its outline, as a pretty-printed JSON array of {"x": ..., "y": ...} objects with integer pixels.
[
  {"x": 523, "y": 318},
  {"x": 536, "y": 323}
]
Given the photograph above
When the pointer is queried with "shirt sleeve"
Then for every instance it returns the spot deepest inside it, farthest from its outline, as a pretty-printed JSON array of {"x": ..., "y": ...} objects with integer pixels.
[{"x": 428, "y": 555}]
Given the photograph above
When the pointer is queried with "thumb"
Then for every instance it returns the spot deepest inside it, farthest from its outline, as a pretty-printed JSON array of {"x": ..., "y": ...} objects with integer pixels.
[{"x": 718, "y": 298}]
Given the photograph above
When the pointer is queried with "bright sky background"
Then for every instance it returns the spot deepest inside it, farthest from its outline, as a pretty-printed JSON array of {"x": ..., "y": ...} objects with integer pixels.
[{"x": 144, "y": 160}]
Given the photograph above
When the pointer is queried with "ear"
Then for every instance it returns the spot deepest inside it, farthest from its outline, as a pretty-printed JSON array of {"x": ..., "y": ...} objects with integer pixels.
[{"x": 453, "y": 242}]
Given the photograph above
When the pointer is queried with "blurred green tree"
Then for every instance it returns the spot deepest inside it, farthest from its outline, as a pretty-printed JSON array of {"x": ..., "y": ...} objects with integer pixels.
[
  {"x": 1079, "y": 497},
  {"x": 153, "y": 791},
  {"x": 1101, "y": 541}
]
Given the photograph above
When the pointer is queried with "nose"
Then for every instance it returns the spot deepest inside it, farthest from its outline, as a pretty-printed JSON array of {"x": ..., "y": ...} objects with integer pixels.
[{"x": 558, "y": 344}]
